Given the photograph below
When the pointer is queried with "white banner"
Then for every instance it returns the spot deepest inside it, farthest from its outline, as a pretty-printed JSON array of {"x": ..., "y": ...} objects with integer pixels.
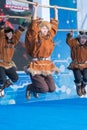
[
  {"x": 82, "y": 14},
  {"x": 16, "y": 6}
]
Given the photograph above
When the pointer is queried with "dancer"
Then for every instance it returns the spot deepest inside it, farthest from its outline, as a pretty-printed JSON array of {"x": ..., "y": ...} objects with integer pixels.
[
  {"x": 8, "y": 41},
  {"x": 78, "y": 65},
  {"x": 39, "y": 45}
]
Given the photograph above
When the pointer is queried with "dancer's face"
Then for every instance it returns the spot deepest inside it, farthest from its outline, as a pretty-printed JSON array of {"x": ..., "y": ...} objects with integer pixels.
[
  {"x": 83, "y": 40},
  {"x": 9, "y": 35},
  {"x": 44, "y": 30}
]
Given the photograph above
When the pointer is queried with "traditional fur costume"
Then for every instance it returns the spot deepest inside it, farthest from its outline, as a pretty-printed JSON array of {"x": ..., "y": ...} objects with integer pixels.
[
  {"x": 79, "y": 61},
  {"x": 41, "y": 47},
  {"x": 7, "y": 46},
  {"x": 78, "y": 52}
]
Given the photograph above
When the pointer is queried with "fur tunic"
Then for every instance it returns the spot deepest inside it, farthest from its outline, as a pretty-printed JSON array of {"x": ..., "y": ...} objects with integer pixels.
[
  {"x": 38, "y": 46},
  {"x": 78, "y": 54},
  {"x": 7, "y": 49}
]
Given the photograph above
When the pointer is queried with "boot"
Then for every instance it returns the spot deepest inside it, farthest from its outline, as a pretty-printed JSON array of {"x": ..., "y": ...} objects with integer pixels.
[
  {"x": 2, "y": 94},
  {"x": 36, "y": 95},
  {"x": 79, "y": 90},
  {"x": 6, "y": 85},
  {"x": 83, "y": 89},
  {"x": 28, "y": 92}
]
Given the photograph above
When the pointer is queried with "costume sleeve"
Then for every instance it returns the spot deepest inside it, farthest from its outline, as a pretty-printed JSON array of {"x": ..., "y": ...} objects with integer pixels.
[
  {"x": 2, "y": 25},
  {"x": 31, "y": 34},
  {"x": 54, "y": 26},
  {"x": 70, "y": 40},
  {"x": 32, "y": 29},
  {"x": 17, "y": 35}
]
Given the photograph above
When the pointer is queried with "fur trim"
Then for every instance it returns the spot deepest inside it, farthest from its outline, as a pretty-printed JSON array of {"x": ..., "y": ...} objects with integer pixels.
[
  {"x": 44, "y": 23},
  {"x": 45, "y": 73},
  {"x": 82, "y": 34}
]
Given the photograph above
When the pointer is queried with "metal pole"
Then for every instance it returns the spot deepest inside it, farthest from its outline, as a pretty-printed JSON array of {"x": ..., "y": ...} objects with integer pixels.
[
  {"x": 45, "y": 6},
  {"x": 18, "y": 17}
]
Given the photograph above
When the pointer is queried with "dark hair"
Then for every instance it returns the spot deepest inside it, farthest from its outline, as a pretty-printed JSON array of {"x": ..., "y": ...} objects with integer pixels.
[
  {"x": 8, "y": 29},
  {"x": 82, "y": 32}
]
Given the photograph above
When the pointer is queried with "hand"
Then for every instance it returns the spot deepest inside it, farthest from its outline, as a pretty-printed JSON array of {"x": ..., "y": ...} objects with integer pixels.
[
  {"x": 36, "y": 5},
  {"x": 71, "y": 32},
  {"x": 6, "y": 18}
]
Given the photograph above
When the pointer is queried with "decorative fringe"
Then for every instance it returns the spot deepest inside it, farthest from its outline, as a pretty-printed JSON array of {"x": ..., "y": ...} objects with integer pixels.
[{"x": 45, "y": 73}]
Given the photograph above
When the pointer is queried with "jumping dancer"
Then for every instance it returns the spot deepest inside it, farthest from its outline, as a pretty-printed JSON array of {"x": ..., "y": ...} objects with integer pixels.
[
  {"x": 78, "y": 65},
  {"x": 39, "y": 45},
  {"x": 8, "y": 41}
]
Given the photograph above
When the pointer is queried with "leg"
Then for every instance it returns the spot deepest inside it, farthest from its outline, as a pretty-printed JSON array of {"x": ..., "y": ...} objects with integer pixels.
[
  {"x": 39, "y": 84},
  {"x": 78, "y": 80},
  {"x": 50, "y": 82},
  {"x": 11, "y": 73},
  {"x": 3, "y": 79},
  {"x": 84, "y": 77},
  {"x": 84, "y": 83},
  {"x": 2, "y": 75},
  {"x": 28, "y": 92}
]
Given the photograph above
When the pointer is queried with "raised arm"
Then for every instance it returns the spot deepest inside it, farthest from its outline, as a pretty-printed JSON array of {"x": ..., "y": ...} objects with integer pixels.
[
  {"x": 32, "y": 30},
  {"x": 54, "y": 22},
  {"x": 56, "y": 13},
  {"x": 2, "y": 26},
  {"x": 33, "y": 27},
  {"x": 70, "y": 40},
  {"x": 35, "y": 11},
  {"x": 17, "y": 34}
]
